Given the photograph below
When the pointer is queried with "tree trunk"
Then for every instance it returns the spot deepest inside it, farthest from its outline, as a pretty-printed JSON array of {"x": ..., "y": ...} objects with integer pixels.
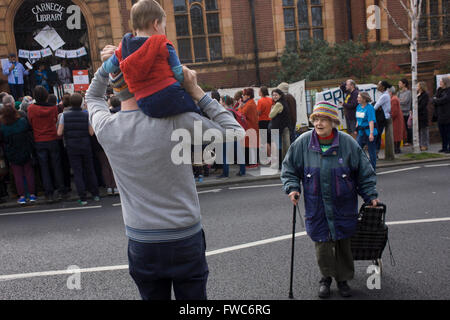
[{"x": 415, "y": 100}]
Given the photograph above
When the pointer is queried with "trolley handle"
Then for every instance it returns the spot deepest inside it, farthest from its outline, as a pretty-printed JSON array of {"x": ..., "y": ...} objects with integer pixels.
[{"x": 380, "y": 204}]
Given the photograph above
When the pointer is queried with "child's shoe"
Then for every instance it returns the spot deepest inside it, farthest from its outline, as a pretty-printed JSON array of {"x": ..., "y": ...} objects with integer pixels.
[
  {"x": 32, "y": 198},
  {"x": 22, "y": 200}
]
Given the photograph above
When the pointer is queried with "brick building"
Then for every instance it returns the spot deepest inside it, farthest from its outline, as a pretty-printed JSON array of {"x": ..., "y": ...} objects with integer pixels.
[{"x": 217, "y": 37}]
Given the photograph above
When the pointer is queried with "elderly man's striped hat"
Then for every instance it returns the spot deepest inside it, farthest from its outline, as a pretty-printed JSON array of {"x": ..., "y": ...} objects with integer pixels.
[{"x": 324, "y": 108}]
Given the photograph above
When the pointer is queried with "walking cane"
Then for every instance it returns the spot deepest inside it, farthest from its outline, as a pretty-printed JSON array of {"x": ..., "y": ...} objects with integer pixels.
[{"x": 291, "y": 294}]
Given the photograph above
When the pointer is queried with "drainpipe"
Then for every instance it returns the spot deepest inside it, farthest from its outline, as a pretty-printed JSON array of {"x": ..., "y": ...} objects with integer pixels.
[
  {"x": 349, "y": 19},
  {"x": 255, "y": 41},
  {"x": 377, "y": 3}
]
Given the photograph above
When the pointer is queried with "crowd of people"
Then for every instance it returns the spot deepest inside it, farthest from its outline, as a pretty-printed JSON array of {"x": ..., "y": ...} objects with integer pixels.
[
  {"x": 44, "y": 142},
  {"x": 393, "y": 111},
  {"x": 40, "y": 151}
]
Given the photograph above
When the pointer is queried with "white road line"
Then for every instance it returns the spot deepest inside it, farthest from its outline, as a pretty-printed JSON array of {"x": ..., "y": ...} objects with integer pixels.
[
  {"x": 398, "y": 170},
  {"x": 437, "y": 165},
  {"x": 208, "y": 253},
  {"x": 258, "y": 186},
  {"x": 207, "y": 191},
  {"x": 48, "y": 210},
  {"x": 417, "y": 221},
  {"x": 117, "y": 204}
]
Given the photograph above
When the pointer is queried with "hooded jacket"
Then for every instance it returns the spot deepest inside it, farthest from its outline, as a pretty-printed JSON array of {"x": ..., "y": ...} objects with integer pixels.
[
  {"x": 144, "y": 64},
  {"x": 331, "y": 182}
]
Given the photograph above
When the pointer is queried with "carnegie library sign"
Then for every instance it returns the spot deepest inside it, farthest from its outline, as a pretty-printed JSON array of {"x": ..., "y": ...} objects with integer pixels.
[{"x": 49, "y": 11}]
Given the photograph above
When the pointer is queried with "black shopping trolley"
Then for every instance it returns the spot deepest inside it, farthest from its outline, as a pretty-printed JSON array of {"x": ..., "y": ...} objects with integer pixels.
[{"x": 371, "y": 235}]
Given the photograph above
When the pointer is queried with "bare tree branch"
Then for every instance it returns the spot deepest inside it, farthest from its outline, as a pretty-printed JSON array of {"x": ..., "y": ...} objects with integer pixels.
[
  {"x": 408, "y": 10},
  {"x": 395, "y": 21},
  {"x": 419, "y": 10}
]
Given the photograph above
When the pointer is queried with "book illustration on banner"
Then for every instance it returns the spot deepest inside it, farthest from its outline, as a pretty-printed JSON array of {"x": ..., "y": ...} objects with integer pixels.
[
  {"x": 25, "y": 54},
  {"x": 35, "y": 54},
  {"x": 46, "y": 52},
  {"x": 60, "y": 53},
  {"x": 71, "y": 54},
  {"x": 81, "y": 52}
]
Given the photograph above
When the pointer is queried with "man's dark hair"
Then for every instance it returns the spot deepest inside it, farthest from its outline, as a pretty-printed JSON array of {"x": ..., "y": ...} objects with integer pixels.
[
  {"x": 52, "y": 99},
  {"x": 114, "y": 101},
  {"x": 40, "y": 94},
  {"x": 405, "y": 82},
  {"x": 249, "y": 92},
  {"x": 215, "y": 95},
  {"x": 386, "y": 85},
  {"x": 264, "y": 91},
  {"x": 76, "y": 100}
]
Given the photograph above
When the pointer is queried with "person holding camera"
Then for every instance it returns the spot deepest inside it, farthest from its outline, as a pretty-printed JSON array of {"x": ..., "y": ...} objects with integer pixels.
[{"x": 333, "y": 170}]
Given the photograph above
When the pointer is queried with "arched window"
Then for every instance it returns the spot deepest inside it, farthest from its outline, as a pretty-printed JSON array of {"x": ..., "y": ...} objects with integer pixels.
[
  {"x": 302, "y": 21},
  {"x": 198, "y": 30},
  {"x": 435, "y": 20}
]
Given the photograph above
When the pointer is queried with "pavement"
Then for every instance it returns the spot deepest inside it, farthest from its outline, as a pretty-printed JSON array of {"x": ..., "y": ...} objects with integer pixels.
[
  {"x": 248, "y": 235},
  {"x": 259, "y": 174}
]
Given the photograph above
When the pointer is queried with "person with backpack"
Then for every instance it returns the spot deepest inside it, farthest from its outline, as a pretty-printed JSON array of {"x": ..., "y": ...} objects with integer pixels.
[
  {"x": 18, "y": 148},
  {"x": 74, "y": 125}
]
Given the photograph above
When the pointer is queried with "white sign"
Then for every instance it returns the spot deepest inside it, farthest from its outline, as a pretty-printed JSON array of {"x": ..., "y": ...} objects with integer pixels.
[
  {"x": 46, "y": 52},
  {"x": 81, "y": 52},
  {"x": 336, "y": 96},
  {"x": 56, "y": 67},
  {"x": 24, "y": 54},
  {"x": 36, "y": 54},
  {"x": 5, "y": 63},
  {"x": 71, "y": 53},
  {"x": 439, "y": 77},
  {"x": 60, "y": 53},
  {"x": 69, "y": 88},
  {"x": 297, "y": 89}
]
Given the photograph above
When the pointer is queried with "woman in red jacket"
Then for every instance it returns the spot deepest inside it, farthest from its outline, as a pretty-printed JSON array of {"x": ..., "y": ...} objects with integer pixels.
[
  {"x": 250, "y": 111},
  {"x": 398, "y": 122}
]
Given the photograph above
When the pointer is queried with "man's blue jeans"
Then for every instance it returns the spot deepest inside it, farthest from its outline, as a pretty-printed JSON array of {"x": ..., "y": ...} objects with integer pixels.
[
  {"x": 363, "y": 139},
  {"x": 155, "y": 267}
]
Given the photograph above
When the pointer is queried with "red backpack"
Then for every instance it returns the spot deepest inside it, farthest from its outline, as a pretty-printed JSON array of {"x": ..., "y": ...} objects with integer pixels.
[{"x": 240, "y": 118}]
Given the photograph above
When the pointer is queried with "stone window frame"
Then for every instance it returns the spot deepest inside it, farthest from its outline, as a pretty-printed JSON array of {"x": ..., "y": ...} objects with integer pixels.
[
  {"x": 193, "y": 60},
  {"x": 432, "y": 25},
  {"x": 311, "y": 4}
]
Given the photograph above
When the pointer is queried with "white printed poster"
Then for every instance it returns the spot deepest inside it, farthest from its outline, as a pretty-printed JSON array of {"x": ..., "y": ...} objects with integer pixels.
[
  {"x": 335, "y": 96},
  {"x": 24, "y": 54},
  {"x": 35, "y": 55},
  {"x": 46, "y": 52},
  {"x": 81, "y": 52},
  {"x": 60, "y": 53},
  {"x": 71, "y": 54}
]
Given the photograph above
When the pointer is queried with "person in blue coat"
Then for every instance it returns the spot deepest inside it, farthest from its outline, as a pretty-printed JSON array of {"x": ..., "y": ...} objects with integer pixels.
[
  {"x": 366, "y": 126},
  {"x": 333, "y": 170}
]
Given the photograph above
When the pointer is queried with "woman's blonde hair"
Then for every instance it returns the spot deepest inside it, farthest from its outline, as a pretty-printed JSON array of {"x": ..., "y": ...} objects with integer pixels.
[{"x": 423, "y": 85}]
